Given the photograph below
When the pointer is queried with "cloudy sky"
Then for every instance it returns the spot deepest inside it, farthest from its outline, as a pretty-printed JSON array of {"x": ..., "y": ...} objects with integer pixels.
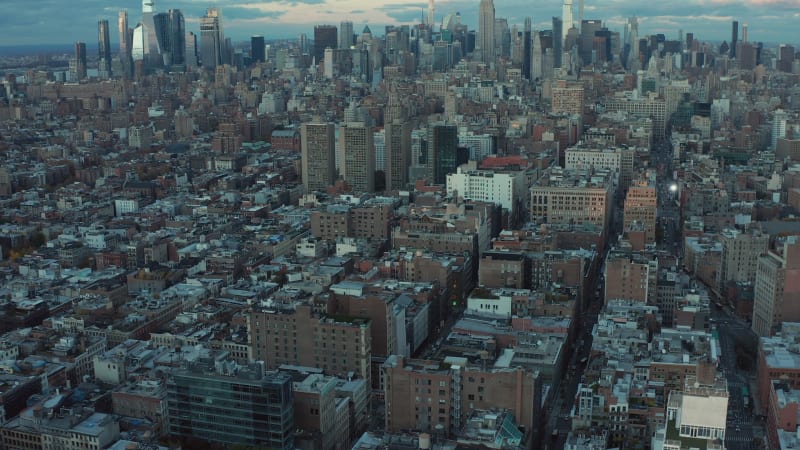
[{"x": 27, "y": 22}]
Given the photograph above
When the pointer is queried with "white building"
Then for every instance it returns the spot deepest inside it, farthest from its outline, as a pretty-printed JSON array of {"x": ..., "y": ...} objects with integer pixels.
[
  {"x": 696, "y": 413},
  {"x": 125, "y": 206},
  {"x": 503, "y": 188}
]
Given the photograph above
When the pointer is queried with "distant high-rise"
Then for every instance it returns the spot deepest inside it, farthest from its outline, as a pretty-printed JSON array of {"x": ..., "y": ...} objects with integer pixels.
[
  {"x": 431, "y": 14},
  {"x": 744, "y": 33},
  {"x": 588, "y": 30},
  {"x": 318, "y": 155},
  {"x": 486, "y": 40},
  {"x": 191, "y": 50},
  {"x": 150, "y": 47},
  {"x": 77, "y": 64},
  {"x": 124, "y": 37},
  {"x": 103, "y": 49},
  {"x": 734, "y": 38},
  {"x": 526, "y": 49},
  {"x": 567, "y": 18},
  {"x": 345, "y": 34},
  {"x": 398, "y": 153},
  {"x": 356, "y": 140},
  {"x": 580, "y": 11},
  {"x": 558, "y": 42},
  {"x": 176, "y": 39},
  {"x": 258, "y": 52},
  {"x": 325, "y": 36},
  {"x": 785, "y": 58},
  {"x": 443, "y": 144},
  {"x": 212, "y": 42}
]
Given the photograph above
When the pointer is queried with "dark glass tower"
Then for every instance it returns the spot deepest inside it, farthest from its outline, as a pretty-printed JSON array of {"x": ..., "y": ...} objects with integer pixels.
[
  {"x": 325, "y": 36},
  {"x": 558, "y": 41},
  {"x": 80, "y": 59},
  {"x": 103, "y": 48},
  {"x": 444, "y": 146},
  {"x": 734, "y": 38},
  {"x": 526, "y": 46},
  {"x": 177, "y": 38},
  {"x": 257, "y": 50}
]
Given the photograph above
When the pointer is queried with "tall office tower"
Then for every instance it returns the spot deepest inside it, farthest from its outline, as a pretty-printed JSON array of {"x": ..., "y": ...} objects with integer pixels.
[
  {"x": 398, "y": 153},
  {"x": 486, "y": 31},
  {"x": 744, "y": 33},
  {"x": 632, "y": 37},
  {"x": 443, "y": 147},
  {"x": 161, "y": 23},
  {"x": 734, "y": 37},
  {"x": 785, "y": 58},
  {"x": 776, "y": 292},
  {"x": 689, "y": 41},
  {"x": 588, "y": 30},
  {"x": 318, "y": 158},
  {"x": 246, "y": 408},
  {"x": 212, "y": 42},
  {"x": 138, "y": 43},
  {"x": 80, "y": 59},
  {"x": 302, "y": 43},
  {"x": 431, "y": 14},
  {"x": 580, "y": 11},
  {"x": 125, "y": 36},
  {"x": 567, "y": 18},
  {"x": 177, "y": 39},
  {"x": 325, "y": 36},
  {"x": 526, "y": 49},
  {"x": 191, "y": 50},
  {"x": 258, "y": 51},
  {"x": 536, "y": 56},
  {"x": 558, "y": 42},
  {"x": 345, "y": 35},
  {"x": 152, "y": 51},
  {"x": 103, "y": 49},
  {"x": 359, "y": 156},
  {"x": 502, "y": 38}
]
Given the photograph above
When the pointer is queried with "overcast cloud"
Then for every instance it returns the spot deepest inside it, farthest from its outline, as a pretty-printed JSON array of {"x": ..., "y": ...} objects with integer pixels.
[{"x": 27, "y": 22}]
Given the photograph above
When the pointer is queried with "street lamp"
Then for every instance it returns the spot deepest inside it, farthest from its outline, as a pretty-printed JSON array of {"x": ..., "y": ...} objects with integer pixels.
[{"x": 673, "y": 188}]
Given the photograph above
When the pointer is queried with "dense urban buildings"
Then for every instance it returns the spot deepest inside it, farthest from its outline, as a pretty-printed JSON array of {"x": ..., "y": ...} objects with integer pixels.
[{"x": 452, "y": 231}]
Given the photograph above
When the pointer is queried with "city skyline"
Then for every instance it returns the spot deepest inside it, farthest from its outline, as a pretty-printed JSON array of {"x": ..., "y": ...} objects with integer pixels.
[{"x": 40, "y": 23}]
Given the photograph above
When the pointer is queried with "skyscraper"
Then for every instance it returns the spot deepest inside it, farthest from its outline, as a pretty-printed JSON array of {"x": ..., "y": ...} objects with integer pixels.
[
  {"x": 325, "y": 36},
  {"x": 103, "y": 49},
  {"x": 125, "y": 44},
  {"x": 212, "y": 42},
  {"x": 526, "y": 49},
  {"x": 431, "y": 14},
  {"x": 443, "y": 142},
  {"x": 345, "y": 34},
  {"x": 258, "y": 51},
  {"x": 486, "y": 31},
  {"x": 191, "y": 50},
  {"x": 398, "y": 153},
  {"x": 567, "y": 18},
  {"x": 558, "y": 42},
  {"x": 318, "y": 157},
  {"x": 177, "y": 39},
  {"x": 150, "y": 47},
  {"x": 359, "y": 156},
  {"x": 80, "y": 59},
  {"x": 734, "y": 38}
]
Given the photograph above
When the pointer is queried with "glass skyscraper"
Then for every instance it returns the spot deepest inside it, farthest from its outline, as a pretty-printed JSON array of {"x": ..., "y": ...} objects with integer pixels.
[{"x": 103, "y": 49}]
